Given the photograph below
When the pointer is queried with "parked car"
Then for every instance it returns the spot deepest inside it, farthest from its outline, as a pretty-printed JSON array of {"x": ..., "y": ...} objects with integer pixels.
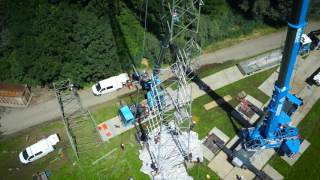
[
  {"x": 39, "y": 149},
  {"x": 109, "y": 85}
]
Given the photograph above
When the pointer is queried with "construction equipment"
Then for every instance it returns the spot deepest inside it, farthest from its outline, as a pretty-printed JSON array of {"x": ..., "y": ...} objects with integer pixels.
[
  {"x": 310, "y": 42},
  {"x": 306, "y": 44},
  {"x": 274, "y": 129},
  {"x": 316, "y": 79},
  {"x": 314, "y": 36}
]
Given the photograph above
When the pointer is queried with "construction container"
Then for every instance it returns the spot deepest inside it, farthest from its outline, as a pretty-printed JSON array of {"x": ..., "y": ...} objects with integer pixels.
[
  {"x": 14, "y": 95},
  {"x": 126, "y": 115}
]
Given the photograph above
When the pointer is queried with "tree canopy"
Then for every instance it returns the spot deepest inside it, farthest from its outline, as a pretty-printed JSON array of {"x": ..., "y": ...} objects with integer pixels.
[{"x": 42, "y": 41}]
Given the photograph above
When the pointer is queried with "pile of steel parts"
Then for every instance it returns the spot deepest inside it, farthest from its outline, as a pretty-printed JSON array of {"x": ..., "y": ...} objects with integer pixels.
[{"x": 168, "y": 162}]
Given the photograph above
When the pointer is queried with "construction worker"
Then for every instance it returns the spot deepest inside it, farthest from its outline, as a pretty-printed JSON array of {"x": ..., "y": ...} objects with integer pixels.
[
  {"x": 175, "y": 17},
  {"x": 122, "y": 146}
]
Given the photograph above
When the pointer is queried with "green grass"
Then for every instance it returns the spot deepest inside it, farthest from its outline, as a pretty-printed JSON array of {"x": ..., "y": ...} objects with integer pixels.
[
  {"x": 217, "y": 116},
  {"x": 199, "y": 171},
  {"x": 105, "y": 111},
  {"x": 261, "y": 31},
  {"x": 308, "y": 166}
]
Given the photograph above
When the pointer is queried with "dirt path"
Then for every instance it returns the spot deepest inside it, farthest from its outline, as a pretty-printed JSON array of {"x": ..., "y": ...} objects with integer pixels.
[{"x": 15, "y": 120}]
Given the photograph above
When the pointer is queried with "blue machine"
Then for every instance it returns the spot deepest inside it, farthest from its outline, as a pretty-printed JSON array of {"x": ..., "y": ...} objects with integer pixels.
[
  {"x": 126, "y": 115},
  {"x": 154, "y": 95},
  {"x": 274, "y": 130}
]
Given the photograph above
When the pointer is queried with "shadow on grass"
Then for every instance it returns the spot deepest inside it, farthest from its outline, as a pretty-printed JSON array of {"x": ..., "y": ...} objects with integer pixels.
[{"x": 234, "y": 115}]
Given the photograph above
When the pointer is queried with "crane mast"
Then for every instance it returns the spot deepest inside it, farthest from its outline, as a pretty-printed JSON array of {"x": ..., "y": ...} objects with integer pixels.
[{"x": 274, "y": 129}]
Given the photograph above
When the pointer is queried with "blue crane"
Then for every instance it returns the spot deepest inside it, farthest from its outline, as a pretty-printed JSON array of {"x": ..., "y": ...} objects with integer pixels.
[{"x": 274, "y": 129}]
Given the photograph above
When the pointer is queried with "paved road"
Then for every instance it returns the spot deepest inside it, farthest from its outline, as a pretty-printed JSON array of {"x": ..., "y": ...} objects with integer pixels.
[
  {"x": 250, "y": 47},
  {"x": 19, "y": 119},
  {"x": 16, "y": 120}
]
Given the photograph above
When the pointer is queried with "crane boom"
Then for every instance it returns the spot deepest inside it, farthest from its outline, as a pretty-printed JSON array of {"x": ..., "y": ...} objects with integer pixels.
[{"x": 274, "y": 130}]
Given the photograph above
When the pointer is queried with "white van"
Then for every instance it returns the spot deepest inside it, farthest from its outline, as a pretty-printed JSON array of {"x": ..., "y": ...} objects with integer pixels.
[
  {"x": 39, "y": 149},
  {"x": 109, "y": 85}
]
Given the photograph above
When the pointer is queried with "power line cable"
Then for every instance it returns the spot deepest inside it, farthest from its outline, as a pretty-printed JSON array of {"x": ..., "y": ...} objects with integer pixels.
[{"x": 145, "y": 28}]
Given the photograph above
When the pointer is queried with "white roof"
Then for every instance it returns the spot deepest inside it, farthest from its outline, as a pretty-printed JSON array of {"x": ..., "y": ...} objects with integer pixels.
[
  {"x": 305, "y": 39},
  {"x": 39, "y": 146},
  {"x": 317, "y": 77},
  {"x": 44, "y": 144},
  {"x": 122, "y": 78},
  {"x": 53, "y": 139},
  {"x": 108, "y": 82}
]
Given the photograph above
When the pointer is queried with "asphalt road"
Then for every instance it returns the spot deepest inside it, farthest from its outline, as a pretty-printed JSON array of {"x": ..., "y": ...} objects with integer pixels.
[
  {"x": 251, "y": 47},
  {"x": 18, "y": 119}
]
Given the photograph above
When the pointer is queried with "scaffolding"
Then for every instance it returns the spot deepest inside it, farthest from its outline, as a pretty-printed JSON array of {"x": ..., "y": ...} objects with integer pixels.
[
  {"x": 79, "y": 124},
  {"x": 171, "y": 142},
  {"x": 169, "y": 122}
]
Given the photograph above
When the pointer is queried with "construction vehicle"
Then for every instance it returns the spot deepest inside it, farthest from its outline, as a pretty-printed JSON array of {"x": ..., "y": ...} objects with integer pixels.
[
  {"x": 310, "y": 42},
  {"x": 315, "y": 38},
  {"x": 306, "y": 44},
  {"x": 274, "y": 129},
  {"x": 316, "y": 79}
]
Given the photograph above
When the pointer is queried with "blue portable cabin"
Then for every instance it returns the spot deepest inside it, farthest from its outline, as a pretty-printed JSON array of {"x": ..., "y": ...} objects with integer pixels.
[{"x": 126, "y": 115}]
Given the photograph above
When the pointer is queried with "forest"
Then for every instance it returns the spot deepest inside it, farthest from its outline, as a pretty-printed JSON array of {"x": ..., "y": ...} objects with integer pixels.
[{"x": 42, "y": 41}]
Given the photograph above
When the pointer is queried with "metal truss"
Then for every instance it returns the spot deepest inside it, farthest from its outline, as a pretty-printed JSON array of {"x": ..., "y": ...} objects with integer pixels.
[
  {"x": 172, "y": 110},
  {"x": 185, "y": 17},
  {"x": 79, "y": 124},
  {"x": 182, "y": 20}
]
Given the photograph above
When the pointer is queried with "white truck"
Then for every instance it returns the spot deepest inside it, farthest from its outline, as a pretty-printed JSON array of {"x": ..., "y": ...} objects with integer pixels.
[
  {"x": 39, "y": 149},
  {"x": 316, "y": 79}
]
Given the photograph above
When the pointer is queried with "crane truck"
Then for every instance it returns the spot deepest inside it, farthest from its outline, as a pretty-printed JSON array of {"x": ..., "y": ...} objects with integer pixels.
[{"x": 274, "y": 129}]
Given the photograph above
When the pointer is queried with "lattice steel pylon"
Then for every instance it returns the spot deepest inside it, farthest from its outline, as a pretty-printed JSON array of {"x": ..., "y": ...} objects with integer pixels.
[
  {"x": 170, "y": 118},
  {"x": 182, "y": 20},
  {"x": 185, "y": 16},
  {"x": 79, "y": 124}
]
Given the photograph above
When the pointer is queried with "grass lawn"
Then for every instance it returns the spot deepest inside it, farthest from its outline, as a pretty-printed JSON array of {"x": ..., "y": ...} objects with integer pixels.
[
  {"x": 308, "y": 166},
  {"x": 105, "y": 111},
  {"x": 217, "y": 116},
  {"x": 199, "y": 171}
]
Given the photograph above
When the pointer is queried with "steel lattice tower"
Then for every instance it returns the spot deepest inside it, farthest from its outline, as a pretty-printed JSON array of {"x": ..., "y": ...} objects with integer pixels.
[{"x": 172, "y": 109}]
